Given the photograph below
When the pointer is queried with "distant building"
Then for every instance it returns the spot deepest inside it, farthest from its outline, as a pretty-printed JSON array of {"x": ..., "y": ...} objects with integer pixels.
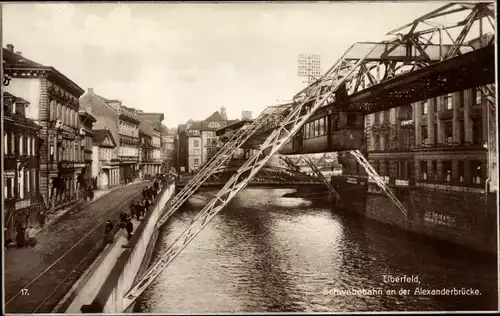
[
  {"x": 87, "y": 121},
  {"x": 150, "y": 155},
  {"x": 21, "y": 166},
  {"x": 246, "y": 115},
  {"x": 197, "y": 140},
  {"x": 168, "y": 148},
  {"x": 123, "y": 123},
  {"x": 105, "y": 162},
  {"x": 53, "y": 99}
]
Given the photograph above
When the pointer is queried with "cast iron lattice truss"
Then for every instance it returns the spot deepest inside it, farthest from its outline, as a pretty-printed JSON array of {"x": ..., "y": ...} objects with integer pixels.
[
  {"x": 298, "y": 115},
  {"x": 216, "y": 162},
  {"x": 290, "y": 163},
  {"x": 423, "y": 42},
  {"x": 332, "y": 87},
  {"x": 320, "y": 175}
]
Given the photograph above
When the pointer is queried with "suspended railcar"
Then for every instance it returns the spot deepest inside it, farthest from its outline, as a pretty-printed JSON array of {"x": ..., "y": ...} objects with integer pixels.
[{"x": 328, "y": 131}]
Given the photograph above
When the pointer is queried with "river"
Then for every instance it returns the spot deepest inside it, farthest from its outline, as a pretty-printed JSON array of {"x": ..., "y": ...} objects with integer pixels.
[{"x": 266, "y": 253}]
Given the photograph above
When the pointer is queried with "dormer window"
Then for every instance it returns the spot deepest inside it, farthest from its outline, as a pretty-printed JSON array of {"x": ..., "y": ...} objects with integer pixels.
[{"x": 213, "y": 125}]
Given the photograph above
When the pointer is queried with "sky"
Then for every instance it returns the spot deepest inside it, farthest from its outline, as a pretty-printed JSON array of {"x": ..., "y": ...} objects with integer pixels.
[{"x": 186, "y": 60}]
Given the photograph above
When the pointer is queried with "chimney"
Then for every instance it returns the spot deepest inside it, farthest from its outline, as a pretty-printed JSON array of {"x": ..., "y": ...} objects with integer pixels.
[
  {"x": 91, "y": 90},
  {"x": 10, "y": 48},
  {"x": 223, "y": 112}
]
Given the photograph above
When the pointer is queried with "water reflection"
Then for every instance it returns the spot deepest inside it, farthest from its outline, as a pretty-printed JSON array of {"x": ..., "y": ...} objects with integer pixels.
[{"x": 265, "y": 253}]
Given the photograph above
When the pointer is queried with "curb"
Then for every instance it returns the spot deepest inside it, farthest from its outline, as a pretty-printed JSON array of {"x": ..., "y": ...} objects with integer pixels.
[{"x": 83, "y": 206}]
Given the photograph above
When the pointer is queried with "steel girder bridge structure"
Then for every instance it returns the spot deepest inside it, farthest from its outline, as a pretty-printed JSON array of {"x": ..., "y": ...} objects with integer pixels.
[
  {"x": 415, "y": 64},
  {"x": 269, "y": 174}
]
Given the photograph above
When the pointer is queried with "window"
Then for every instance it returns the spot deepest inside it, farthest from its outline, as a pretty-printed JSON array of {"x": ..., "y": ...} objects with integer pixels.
[
  {"x": 5, "y": 144},
  {"x": 21, "y": 144},
  {"x": 448, "y": 133},
  {"x": 477, "y": 131},
  {"x": 28, "y": 145},
  {"x": 462, "y": 131},
  {"x": 322, "y": 126},
  {"x": 425, "y": 135},
  {"x": 460, "y": 167},
  {"x": 20, "y": 108},
  {"x": 434, "y": 170},
  {"x": 425, "y": 107},
  {"x": 12, "y": 143},
  {"x": 435, "y": 133},
  {"x": 386, "y": 167},
  {"x": 196, "y": 151},
  {"x": 461, "y": 99},
  {"x": 335, "y": 123},
  {"x": 351, "y": 119},
  {"x": 386, "y": 142},
  {"x": 196, "y": 162},
  {"x": 51, "y": 153},
  {"x": 196, "y": 143},
  {"x": 477, "y": 95},
  {"x": 448, "y": 101},
  {"x": 20, "y": 187},
  {"x": 311, "y": 129},
  {"x": 406, "y": 139},
  {"x": 447, "y": 171},
  {"x": 476, "y": 172},
  {"x": 398, "y": 169},
  {"x": 27, "y": 182}
]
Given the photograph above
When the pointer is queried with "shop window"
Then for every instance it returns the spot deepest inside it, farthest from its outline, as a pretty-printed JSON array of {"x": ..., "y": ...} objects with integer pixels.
[
  {"x": 461, "y": 170},
  {"x": 447, "y": 171},
  {"x": 477, "y": 172}
]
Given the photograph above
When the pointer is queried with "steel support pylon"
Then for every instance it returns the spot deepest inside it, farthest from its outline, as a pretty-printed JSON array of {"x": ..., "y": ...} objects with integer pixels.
[
  {"x": 317, "y": 97},
  {"x": 375, "y": 176},
  {"x": 290, "y": 163},
  {"x": 216, "y": 161},
  {"x": 320, "y": 175}
]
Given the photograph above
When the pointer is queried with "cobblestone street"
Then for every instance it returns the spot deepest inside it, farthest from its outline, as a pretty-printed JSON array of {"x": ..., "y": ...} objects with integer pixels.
[{"x": 22, "y": 266}]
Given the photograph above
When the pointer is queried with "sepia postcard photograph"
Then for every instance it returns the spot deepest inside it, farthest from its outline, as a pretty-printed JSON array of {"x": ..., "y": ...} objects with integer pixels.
[{"x": 249, "y": 157}]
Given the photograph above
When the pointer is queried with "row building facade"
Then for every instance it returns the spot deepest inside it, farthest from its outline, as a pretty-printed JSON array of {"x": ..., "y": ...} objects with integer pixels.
[{"x": 53, "y": 99}]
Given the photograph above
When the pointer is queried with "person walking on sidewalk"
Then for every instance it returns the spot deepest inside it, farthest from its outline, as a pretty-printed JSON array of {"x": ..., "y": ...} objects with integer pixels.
[
  {"x": 156, "y": 185},
  {"x": 130, "y": 228},
  {"x": 108, "y": 236},
  {"x": 20, "y": 236},
  {"x": 138, "y": 210}
]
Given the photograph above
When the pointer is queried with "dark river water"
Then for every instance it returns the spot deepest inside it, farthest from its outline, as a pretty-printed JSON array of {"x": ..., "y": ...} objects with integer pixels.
[{"x": 266, "y": 253}]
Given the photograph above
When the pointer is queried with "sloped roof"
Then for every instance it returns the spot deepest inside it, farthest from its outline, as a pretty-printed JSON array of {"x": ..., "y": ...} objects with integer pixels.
[
  {"x": 194, "y": 125},
  {"x": 13, "y": 59},
  {"x": 216, "y": 116},
  {"x": 146, "y": 128},
  {"x": 99, "y": 135},
  {"x": 106, "y": 116}
]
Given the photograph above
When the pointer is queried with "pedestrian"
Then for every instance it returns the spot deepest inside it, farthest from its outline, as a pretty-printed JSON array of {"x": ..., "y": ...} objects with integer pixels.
[
  {"x": 31, "y": 236},
  {"x": 123, "y": 219},
  {"x": 108, "y": 236},
  {"x": 130, "y": 228},
  {"x": 20, "y": 236},
  {"x": 146, "y": 205},
  {"x": 41, "y": 218},
  {"x": 145, "y": 193},
  {"x": 156, "y": 185},
  {"x": 138, "y": 211}
]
